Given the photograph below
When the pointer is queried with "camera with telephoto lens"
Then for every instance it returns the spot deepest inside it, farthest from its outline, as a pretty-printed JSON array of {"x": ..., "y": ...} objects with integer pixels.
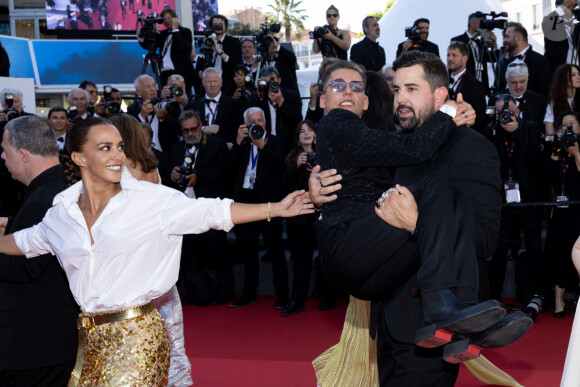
[
  {"x": 11, "y": 112},
  {"x": 112, "y": 107},
  {"x": 263, "y": 39},
  {"x": 256, "y": 131},
  {"x": 168, "y": 105},
  {"x": 185, "y": 170},
  {"x": 71, "y": 114},
  {"x": 149, "y": 31},
  {"x": 311, "y": 158},
  {"x": 176, "y": 90}
]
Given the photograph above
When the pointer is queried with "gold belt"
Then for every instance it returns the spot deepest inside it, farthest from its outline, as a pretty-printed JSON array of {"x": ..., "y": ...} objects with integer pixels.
[{"x": 88, "y": 320}]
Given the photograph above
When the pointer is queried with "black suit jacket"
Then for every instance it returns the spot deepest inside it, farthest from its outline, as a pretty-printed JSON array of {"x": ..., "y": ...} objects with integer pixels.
[
  {"x": 286, "y": 66},
  {"x": 181, "y": 47},
  {"x": 228, "y": 117},
  {"x": 474, "y": 93},
  {"x": 538, "y": 68},
  {"x": 287, "y": 117},
  {"x": 210, "y": 166},
  {"x": 233, "y": 48},
  {"x": 472, "y": 166},
  {"x": 471, "y": 60},
  {"x": 426, "y": 46},
  {"x": 369, "y": 54},
  {"x": 37, "y": 311}
]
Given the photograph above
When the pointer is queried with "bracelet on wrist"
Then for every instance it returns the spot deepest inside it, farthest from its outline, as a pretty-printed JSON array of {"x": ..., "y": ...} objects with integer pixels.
[{"x": 268, "y": 213}]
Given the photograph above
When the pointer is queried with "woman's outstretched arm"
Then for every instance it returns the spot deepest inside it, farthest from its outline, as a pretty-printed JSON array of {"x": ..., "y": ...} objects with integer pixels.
[{"x": 294, "y": 204}]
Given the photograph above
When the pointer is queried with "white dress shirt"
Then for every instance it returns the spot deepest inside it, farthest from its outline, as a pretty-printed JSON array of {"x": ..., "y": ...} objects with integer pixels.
[{"x": 137, "y": 241}]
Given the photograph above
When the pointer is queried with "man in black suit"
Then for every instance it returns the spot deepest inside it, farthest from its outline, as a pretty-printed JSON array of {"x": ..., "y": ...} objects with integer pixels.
[
  {"x": 260, "y": 166},
  {"x": 203, "y": 256},
  {"x": 463, "y": 82},
  {"x": 175, "y": 44},
  {"x": 423, "y": 44},
  {"x": 38, "y": 335},
  {"x": 557, "y": 42},
  {"x": 368, "y": 52},
  {"x": 221, "y": 114},
  {"x": 284, "y": 61},
  {"x": 478, "y": 58},
  {"x": 283, "y": 107},
  {"x": 516, "y": 45},
  {"x": 531, "y": 105},
  {"x": 227, "y": 51}
]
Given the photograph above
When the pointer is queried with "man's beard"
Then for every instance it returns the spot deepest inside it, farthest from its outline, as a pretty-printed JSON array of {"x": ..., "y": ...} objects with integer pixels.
[
  {"x": 192, "y": 142},
  {"x": 414, "y": 121}
]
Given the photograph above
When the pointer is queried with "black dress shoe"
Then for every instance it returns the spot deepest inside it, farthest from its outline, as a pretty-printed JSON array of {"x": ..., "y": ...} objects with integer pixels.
[
  {"x": 445, "y": 316},
  {"x": 559, "y": 314},
  {"x": 243, "y": 301},
  {"x": 327, "y": 305},
  {"x": 509, "y": 329},
  {"x": 292, "y": 308},
  {"x": 222, "y": 300},
  {"x": 281, "y": 302}
]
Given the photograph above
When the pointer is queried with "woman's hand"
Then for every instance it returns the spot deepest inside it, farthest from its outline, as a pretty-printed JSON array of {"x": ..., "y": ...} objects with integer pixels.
[
  {"x": 302, "y": 159},
  {"x": 294, "y": 204},
  {"x": 399, "y": 209}
]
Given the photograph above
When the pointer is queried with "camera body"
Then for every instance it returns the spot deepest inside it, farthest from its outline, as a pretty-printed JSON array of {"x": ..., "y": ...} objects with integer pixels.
[
  {"x": 505, "y": 115},
  {"x": 112, "y": 107},
  {"x": 319, "y": 32},
  {"x": 71, "y": 114},
  {"x": 11, "y": 112},
  {"x": 414, "y": 34},
  {"x": 176, "y": 91},
  {"x": 263, "y": 39},
  {"x": 265, "y": 86},
  {"x": 311, "y": 158},
  {"x": 487, "y": 25},
  {"x": 563, "y": 139},
  {"x": 168, "y": 105},
  {"x": 149, "y": 31},
  {"x": 185, "y": 169},
  {"x": 256, "y": 131}
]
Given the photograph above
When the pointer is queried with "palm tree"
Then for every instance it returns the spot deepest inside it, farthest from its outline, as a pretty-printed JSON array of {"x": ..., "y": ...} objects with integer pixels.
[{"x": 290, "y": 15}]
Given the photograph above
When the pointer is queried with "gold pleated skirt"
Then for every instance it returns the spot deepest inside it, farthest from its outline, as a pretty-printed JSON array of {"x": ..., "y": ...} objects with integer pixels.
[{"x": 130, "y": 352}]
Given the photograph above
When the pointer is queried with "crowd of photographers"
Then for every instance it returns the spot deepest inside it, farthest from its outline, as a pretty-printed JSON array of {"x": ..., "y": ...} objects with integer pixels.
[{"x": 228, "y": 123}]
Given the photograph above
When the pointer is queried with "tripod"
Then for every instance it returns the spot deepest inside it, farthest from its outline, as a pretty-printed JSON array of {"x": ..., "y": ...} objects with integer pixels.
[{"x": 152, "y": 58}]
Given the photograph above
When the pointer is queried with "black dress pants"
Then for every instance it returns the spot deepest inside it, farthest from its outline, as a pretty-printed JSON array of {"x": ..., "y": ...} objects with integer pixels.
[
  {"x": 52, "y": 376},
  {"x": 302, "y": 241}
]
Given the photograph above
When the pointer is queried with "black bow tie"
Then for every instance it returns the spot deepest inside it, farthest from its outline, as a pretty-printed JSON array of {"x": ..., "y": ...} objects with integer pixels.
[
  {"x": 451, "y": 80},
  {"x": 60, "y": 139},
  {"x": 208, "y": 101}
]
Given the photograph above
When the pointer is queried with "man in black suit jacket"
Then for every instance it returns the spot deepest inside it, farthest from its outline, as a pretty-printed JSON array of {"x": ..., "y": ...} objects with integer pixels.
[
  {"x": 206, "y": 157},
  {"x": 423, "y": 44},
  {"x": 221, "y": 114},
  {"x": 227, "y": 51},
  {"x": 284, "y": 61},
  {"x": 38, "y": 335},
  {"x": 476, "y": 50},
  {"x": 516, "y": 46},
  {"x": 368, "y": 52},
  {"x": 283, "y": 108},
  {"x": 463, "y": 82},
  {"x": 175, "y": 45},
  {"x": 557, "y": 48}
]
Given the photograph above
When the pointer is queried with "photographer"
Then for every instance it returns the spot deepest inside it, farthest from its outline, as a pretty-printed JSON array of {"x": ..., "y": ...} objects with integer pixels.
[
  {"x": 284, "y": 61},
  {"x": 418, "y": 41},
  {"x": 176, "y": 89},
  {"x": 227, "y": 50},
  {"x": 368, "y": 52},
  {"x": 110, "y": 104},
  {"x": 243, "y": 83},
  {"x": 165, "y": 129},
  {"x": 249, "y": 60},
  {"x": 199, "y": 167},
  {"x": 11, "y": 100},
  {"x": 259, "y": 162},
  {"x": 563, "y": 225},
  {"x": 283, "y": 107},
  {"x": 58, "y": 120},
  {"x": 328, "y": 39},
  {"x": 518, "y": 145},
  {"x": 175, "y": 44}
]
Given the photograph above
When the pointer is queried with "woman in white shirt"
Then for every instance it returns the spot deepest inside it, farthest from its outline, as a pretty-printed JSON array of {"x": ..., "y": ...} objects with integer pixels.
[
  {"x": 118, "y": 241},
  {"x": 563, "y": 96}
]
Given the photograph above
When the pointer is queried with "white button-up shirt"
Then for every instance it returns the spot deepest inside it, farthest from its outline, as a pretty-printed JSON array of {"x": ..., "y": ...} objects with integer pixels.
[{"x": 137, "y": 241}]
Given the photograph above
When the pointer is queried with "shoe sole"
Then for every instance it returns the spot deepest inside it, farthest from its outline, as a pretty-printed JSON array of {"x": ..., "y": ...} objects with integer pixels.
[
  {"x": 504, "y": 333},
  {"x": 476, "y": 319},
  {"x": 242, "y": 305}
]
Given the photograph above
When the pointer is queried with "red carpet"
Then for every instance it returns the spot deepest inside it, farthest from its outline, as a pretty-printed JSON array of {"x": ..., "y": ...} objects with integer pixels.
[{"x": 254, "y": 347}]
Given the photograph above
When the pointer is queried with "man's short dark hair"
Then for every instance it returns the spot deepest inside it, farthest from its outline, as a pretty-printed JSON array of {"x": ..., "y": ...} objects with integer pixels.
[
  {"x": 86, "y": 83},
  {"x": 519, "y": 29},
  {"x": 462, "y": 47},
  {"x": 169, "y": 11},
  {"x": 421, "y": 20},
  {"x": 365, "y": 22},
  {"x": 187, "y": 114},
  {"x": 248, "y": 40},
  {"x": 341, "y": 64},
  {"x": 435, "y": 71},
  {"x": 55, "y": 109},
  {"x": 33, "y": 134},
  {"x": 218, "y": 16}
]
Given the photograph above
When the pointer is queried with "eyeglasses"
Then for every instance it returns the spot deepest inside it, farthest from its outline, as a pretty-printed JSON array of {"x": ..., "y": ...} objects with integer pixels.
[
  {"x": 517, "y": 64},
  {"x": 339, "y": 86},
  {"x": 328, "y": 15},
  {"x": 190, "y": 130}
]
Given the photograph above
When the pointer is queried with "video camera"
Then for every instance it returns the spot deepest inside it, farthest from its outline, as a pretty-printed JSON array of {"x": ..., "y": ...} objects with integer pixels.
[
  {"x": 149, "y": 31},
  {"x": 11, "y": 112},
  {"x": 205, "y": 44},
  {"x": 263, "y": 39},
  {"x": 563, "y": 138},
  {"x": 414, "y": 34},
  {"x": 487, "y": 25},
  {"x": 112, "y": 107}
]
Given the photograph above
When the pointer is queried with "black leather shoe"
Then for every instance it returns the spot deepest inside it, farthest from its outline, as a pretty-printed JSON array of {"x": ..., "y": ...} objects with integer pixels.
[
  {"x": 559, "y": 314},
  {"x": 222, "y": 300},
  {"x": 509, "y": 329},
  {"x": 326, "y": 305},
  {"x": 243, "y": 301},
  {"x": 281, "y": 302},
  {"x": 292, "y": 308},
  {"x": 445, "y": 316}
]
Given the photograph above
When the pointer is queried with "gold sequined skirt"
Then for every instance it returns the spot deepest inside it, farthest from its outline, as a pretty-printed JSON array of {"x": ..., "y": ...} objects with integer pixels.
[{"x": 122, "y": 348}]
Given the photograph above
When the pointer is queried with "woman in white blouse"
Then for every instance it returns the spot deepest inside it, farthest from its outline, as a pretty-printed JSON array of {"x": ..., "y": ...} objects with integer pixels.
[
  {"x": 119, "y": 242},
  {"x": 563, "y": 94}
]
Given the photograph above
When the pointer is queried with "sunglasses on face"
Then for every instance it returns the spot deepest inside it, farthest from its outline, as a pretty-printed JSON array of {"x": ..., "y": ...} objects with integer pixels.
[
  {"x": 329, "y": 15},
  {"x": 189, "y": 130},
  {"x": 339, "y": 86}
]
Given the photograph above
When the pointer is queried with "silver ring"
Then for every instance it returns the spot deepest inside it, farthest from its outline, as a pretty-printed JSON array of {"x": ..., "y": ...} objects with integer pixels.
[
  {"x": 317, "y": 176},
  {"x": 465, "y": 114},
  {"x": 320, "y": 182},
  {"x": 320, "y": 191}
]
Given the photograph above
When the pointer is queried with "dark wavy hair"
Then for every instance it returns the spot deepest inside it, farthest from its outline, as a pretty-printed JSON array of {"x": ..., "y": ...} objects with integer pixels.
[
  {"x": 379, "y": 115},
  {"x": 291, "y": 156},
  {"x": 75, "y": 140},
  {"x": 558, "y": 95},
  {"x": 134, "y": 140}
]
